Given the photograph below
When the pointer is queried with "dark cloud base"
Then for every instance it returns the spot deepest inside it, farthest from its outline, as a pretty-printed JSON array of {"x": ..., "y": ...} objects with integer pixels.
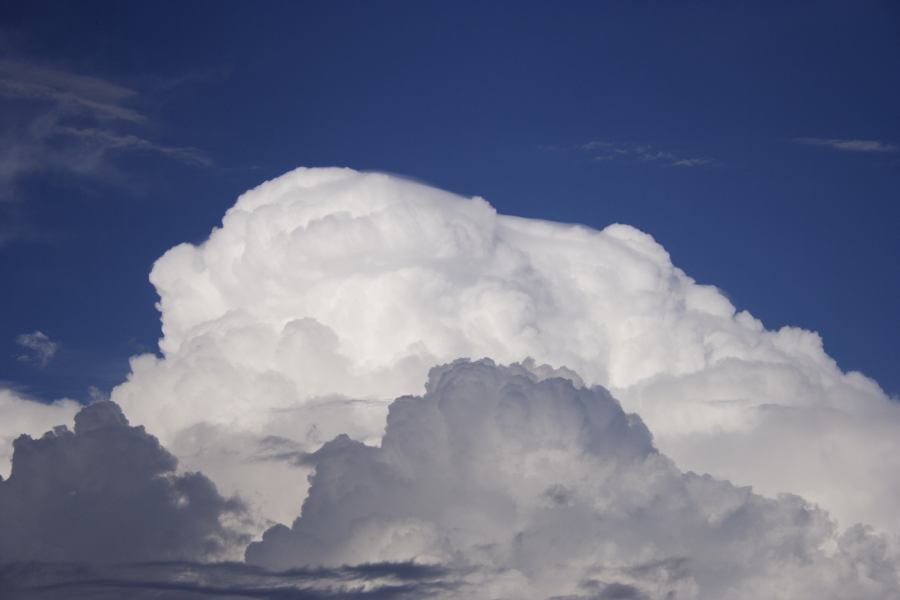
[
  {"x": 226, "y": 580},
  {"x": 514, "y": 482}
]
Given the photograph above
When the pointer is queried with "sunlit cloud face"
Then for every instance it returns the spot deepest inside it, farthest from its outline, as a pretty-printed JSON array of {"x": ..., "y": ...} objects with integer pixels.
[{"x": 328, "y": 292}]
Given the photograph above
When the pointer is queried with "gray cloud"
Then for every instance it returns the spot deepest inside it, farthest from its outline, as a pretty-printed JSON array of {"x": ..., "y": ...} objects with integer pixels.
[
  {"x": 471, "y": 474},
  {"x": 186, "y": 580},
  {"x": 40, "y": 348},
  {"x": 848, "y": 145},
  {"x": 108, "y": 492}
]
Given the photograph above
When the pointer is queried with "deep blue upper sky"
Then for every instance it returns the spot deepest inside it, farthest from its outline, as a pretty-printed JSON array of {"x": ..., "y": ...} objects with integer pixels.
[{"x": 759, "y": 142}]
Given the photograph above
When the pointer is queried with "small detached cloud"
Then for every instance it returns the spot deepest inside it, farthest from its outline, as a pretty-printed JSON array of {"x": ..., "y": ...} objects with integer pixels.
[
  {"x": 606, "y": 151},
  {"x": 848, "y": 145},
  {"x": 39, "y": 348}
]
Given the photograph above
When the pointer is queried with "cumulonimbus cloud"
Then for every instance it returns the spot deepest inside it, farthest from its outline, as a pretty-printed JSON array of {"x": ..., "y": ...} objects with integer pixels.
[{"x": 325, "y": 293}]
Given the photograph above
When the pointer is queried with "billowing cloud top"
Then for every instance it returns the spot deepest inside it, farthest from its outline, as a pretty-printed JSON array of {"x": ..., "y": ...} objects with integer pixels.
[
  {"x": 327, "y": 292},
  {"x": 538, "y": 488}
]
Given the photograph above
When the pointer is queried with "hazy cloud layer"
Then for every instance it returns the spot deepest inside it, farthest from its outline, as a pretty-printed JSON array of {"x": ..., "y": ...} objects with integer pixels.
[
  {"x": 632, "y": 152},
  {"x": 848, "y": 145},
  {"x": 38, "y": 346},
  {"x": 56, "y": 120},
  {"x": 327, "y": 292},
  {"x": 605, "y": 151},
  {"x": 186, "y": 580},
  {"x": 108, "y": 492},
  {"x": 541, "y": 488}
]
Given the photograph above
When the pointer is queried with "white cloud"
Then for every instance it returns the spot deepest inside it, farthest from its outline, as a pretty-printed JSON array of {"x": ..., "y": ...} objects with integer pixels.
[
  {"x": 848, "y": 145},
  {"x": 40, "y": 348},
  {"x": 543, "y": 488},
  {"x": 327, "y": 292}
]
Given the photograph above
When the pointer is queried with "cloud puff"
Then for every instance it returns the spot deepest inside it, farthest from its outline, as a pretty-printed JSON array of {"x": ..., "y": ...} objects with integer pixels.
[
  {"x": 39, "y": 346},
  {"x": 543, "y": 488},
  {"x": 21, "y": 414},
  {"x": 327, "y": 292},
  {"x": 848, "y": 145},
  {"x": 107, "y": 492}
]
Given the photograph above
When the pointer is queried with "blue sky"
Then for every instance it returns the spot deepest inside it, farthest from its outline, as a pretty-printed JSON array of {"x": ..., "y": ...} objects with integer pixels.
[{"x": 758, "y": 142}]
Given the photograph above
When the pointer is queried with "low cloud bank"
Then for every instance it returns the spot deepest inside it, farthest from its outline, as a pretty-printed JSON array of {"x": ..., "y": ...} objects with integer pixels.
[
  {"x": 498, "y": 482},
  {"x": 542, "y": 488},
  {"x": 194, "y": 581}
]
